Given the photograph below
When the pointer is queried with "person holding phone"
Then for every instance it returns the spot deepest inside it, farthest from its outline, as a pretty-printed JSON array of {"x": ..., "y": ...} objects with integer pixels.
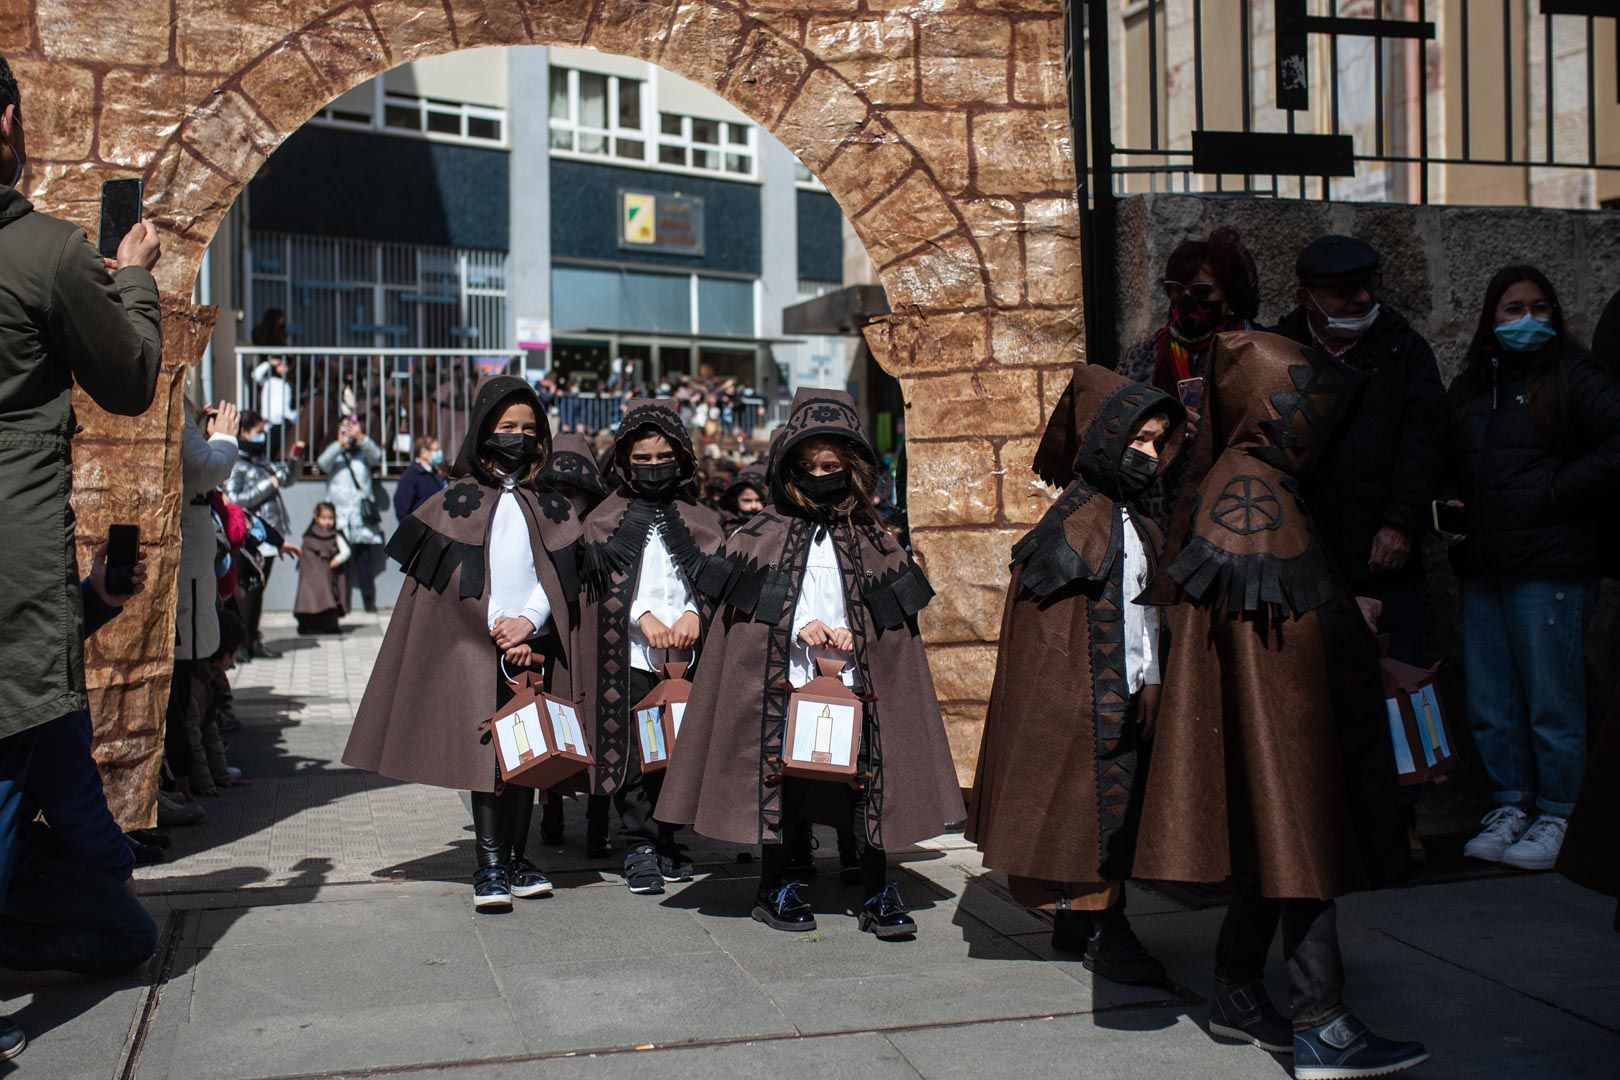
[
  {"x": 67, "y": 317},
  {"x": 1534, "y": 462},
  {"x": 349, "y": 464}
]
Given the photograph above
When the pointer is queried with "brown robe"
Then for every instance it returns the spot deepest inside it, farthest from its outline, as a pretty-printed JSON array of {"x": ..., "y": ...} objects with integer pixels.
[
  {"x": 736, "y": 717},
  {"x": 320, "y": 588},
  {"x": 571, "y": 469},
  {"x": 614, "y": 536},
  {"x": 1060, "y": 766},
  {"x": 1591, "y": 852},
  {"x": 437, "y": 674},
  {"x": 752, "y": 477},
  {"x": 1272, "y": 756}
]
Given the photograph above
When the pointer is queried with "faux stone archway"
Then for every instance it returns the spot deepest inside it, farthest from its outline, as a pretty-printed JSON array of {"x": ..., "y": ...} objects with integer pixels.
[{"x": 940, "y": 126}]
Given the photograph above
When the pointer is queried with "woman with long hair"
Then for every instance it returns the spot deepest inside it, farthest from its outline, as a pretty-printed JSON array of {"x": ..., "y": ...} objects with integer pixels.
[{"x": 1534, "y": 461}]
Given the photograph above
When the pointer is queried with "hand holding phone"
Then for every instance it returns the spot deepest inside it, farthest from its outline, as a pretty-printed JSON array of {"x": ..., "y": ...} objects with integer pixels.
[
  {"x": 123, "y": 552},
  {"x": 1450, "y": 519},
  {"x": 120, "y": 213}
]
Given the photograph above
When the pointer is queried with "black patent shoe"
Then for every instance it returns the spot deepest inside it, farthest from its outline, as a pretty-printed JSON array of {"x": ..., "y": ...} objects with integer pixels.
[
  {"x": 492, "y": 889},
  {"x": 886, "y": 915},
  {"x": 1115, "y": 953},
  {"x": 849, "y": 860},
  {"x": 526, "y": 879},
  {"x": 1244, "y": 1013},
  {"x": 782, "y": 908}
]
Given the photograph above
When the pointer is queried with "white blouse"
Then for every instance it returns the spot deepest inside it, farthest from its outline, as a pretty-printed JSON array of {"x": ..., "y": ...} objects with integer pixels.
[
  {"x": 661, "y": 590},
  {"x": 1141, "y": 620},
  {"x": 514, "y": 586},
  {"x": 821, "y": 597}
]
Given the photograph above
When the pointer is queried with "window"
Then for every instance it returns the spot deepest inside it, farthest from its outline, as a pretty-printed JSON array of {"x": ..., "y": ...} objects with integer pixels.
[
  {"x": 589, "y": 298},
  {"x": 805, "y": 178},
  {"x": 725, "y": 306},
  {"x": 596, "y": 114},
  {"x": 710, "y": 145},
  {"x": 429, "y": 118}
]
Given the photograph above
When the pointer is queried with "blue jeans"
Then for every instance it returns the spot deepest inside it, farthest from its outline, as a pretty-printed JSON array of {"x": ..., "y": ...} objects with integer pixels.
[
  {"x": 61, "y": 915},
  {"x": 1524, "y": 644}
]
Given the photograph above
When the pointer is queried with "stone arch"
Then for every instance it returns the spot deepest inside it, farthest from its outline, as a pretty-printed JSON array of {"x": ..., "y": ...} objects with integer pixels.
[{"x": 940, "y": 126}]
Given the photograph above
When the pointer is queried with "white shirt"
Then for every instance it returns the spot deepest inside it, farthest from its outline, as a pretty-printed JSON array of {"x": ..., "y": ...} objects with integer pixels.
[
  {"x": 275, "y": 396},
  {"x": 821, "y": 597},
  {"x": 1141, "y": 620},
  {"x": 661, "y": 590},
  {"x": 514, "y": 586}
]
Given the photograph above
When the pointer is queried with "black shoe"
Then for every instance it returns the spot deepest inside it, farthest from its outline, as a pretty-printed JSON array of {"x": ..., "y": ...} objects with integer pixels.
[
  {"x": 801, "y": 853},
  {"x": 641, "y": 871},
  {"x": 1244, "y": 1012},
  {"x": 782, "y": 908},
  {"x": 12, "y": 1039},
  {"x": 1071, "y": 931},
  {"x": 371, "y": 609},
  {"x": 526, "y": 879},
  {"x": 1343, "y": 1049},
  {"x": 675, "y": 864},
  {"x": 260, "y": 651},
  {"x": 849, "y": 860},
  {"x": 492, "y": 890},
  {"x": 145, "y": 854},
  {"x": 1115, "y": 953},
  {"x": 551, "y": 825},
  {"x": 886, "y": 916},
  {"x": 244, "y": 655},
  {"x": 152, "y": 836}
]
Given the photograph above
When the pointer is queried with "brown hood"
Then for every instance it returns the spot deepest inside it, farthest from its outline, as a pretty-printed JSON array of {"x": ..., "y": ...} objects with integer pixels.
[
  {"x": 493, "y": 393},
  {"x": 1090, "y": 429},
  {"x": 641, "y": 416},
  {"x": 573, "y": 462},
  {"x": 815, "y": 414}
]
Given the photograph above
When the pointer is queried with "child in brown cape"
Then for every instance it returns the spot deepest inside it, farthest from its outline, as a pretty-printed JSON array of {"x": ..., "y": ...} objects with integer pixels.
[
  {"x": 1063, "y": 756},
  {"x": 490, "y": 589},
  {"x": 744, "y": 497},
  {"x": 815, "y": 576},
  {"x": 646, "y": 547},
  {"x": 322, "y": 591},
  {"x": 1271, "y": 758}
]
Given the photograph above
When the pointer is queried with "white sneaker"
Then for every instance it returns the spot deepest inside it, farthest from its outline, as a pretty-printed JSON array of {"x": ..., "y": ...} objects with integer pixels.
[
  {"x": 1503, "y": 827},
  {"x": 1538, "y": 849}
]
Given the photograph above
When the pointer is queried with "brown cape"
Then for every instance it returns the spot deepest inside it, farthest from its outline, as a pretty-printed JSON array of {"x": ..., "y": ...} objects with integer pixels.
[
  {"x": 320, "y": 588},
  {"x": 436, "y": 676},
  {"x": 1591, "y": 852},
  {"x": 615, "y": 534},
  {"x": 1059, "y": 770},
  {"x": 571, "y": 468},
  {"x": 753, "y": 476},
  {"x": 736, "y": 716},
  {"x": 1272, "y": 757}
]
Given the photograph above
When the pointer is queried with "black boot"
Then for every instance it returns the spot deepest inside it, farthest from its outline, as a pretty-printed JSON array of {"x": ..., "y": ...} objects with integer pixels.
[
  {"x": 1115, "y": 953},
  {"x": 596, "y": 828},
  {"x": 782, "y": 908},
  {"x": 1071, "y": 931},
  {"x": 551, "y": 821},
  {"x": 886, "y": 916}
]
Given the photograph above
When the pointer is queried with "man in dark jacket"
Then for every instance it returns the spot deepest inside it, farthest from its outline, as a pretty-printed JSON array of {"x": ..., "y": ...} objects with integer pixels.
[
  {"x": 63, "y": 319},
  {"x": 1372, "y": 492}
]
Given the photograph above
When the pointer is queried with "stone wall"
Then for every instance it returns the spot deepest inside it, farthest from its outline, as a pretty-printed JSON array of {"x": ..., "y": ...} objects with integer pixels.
[{"x": 940, "y": 126}]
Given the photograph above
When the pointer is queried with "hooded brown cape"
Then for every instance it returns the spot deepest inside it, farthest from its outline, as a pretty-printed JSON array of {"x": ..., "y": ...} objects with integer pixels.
[
  {"x": 753, "y": 476},
  {"x": 571, "y": 468},
  {"x": 1591, "y": 852},
  {"x": 320, "y": 588},
  {"x": 436, "y": 677},
  {"x": 1059, "y": 771},
  {"x": 615, "y": 534},
  {"x": 1272, "y": 755},
  {"x": 736, "y": 716}
]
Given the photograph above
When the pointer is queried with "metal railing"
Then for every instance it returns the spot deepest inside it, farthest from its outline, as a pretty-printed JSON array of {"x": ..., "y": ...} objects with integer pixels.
[{"x": 396, "y": 395}]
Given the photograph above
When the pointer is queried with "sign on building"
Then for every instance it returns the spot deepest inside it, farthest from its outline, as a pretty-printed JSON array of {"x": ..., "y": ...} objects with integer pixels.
[{"x": 654, "y": 222}]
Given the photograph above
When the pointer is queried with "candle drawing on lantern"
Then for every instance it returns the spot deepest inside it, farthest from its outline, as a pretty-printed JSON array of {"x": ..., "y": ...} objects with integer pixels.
[{"x": 824, "y": 733}]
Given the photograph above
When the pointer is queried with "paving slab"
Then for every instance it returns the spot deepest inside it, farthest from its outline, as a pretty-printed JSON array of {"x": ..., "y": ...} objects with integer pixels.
[
  {"x": 76, "y": 1027},
  {"x": 846, "y": 1057}
]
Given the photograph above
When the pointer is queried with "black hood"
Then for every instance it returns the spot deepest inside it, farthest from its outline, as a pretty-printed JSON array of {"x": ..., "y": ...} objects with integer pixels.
[
  {"x": 573, "y": 462},
  {"x": 644, "y": 416},
  {"x": 1090, "y": 429},
  {"x": 816, "y": 414},
  {"x": 492, "y": 394}
]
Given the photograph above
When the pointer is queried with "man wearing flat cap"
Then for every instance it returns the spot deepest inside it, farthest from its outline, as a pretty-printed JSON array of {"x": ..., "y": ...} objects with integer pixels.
[{"x": 1371, "y": 494}]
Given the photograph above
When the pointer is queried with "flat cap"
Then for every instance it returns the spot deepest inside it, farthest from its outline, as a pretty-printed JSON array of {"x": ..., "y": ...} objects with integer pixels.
[{"x": 1336, "y": 257}]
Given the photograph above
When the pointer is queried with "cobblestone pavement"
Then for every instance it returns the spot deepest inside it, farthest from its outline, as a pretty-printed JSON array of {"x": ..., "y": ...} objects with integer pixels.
[{"x": 319, "y": 924}]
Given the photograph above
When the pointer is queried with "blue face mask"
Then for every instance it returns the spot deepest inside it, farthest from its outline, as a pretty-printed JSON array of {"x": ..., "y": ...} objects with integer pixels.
[
  {"x": 437, "y": 457},
  {"x": 1525, "y": 334}
]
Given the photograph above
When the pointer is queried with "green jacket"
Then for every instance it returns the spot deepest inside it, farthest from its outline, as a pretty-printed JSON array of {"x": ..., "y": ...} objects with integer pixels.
[{"x": 62, "y": 320}]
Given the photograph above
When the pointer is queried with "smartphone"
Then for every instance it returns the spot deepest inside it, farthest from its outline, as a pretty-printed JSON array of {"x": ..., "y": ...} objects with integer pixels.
[
  {"x": 120, "y": 211},
  {"x": 1191, "y": 393},
  {"x": 1450, "y": 519},
  {"x": 123, "y": 552}
]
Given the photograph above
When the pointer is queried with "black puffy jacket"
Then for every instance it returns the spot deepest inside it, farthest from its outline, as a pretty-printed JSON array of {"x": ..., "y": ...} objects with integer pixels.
[
  {"x": 1385, "y": 462},
  {"x": 1535, "y": 510}
]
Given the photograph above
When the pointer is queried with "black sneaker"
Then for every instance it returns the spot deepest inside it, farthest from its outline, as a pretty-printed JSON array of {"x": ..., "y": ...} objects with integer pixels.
[
  {"x": 782, "y": 908},
  {"x": 1343, "y": 1049},
  {"x": 260, "y": 651},
  {"x": 145, "y": 854},
  {"x": 1115, "y": 953},
  {"x": 526, "y": 879},
  {"x": 886, "y": 916},
  {"x": 1071, "y": 931},
  {"x": 674, "y": 864},
  {"x": 641, "y": 871},
  {"x": 1244, "y": 1012},
  {"x": 12, "y": 1039},
  {"x": 849, "y": 860},
  {"x": 801, "y": 852},
  {"x": 551, "y": 824},
  {"x": 492, "y": 890},
  {"x": 152, "y": 836}
]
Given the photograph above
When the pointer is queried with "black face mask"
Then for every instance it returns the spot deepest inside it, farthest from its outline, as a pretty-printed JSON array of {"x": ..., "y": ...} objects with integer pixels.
[
  {"x": 1136, "y": 472},
  {"x": 1195, "y": 321},
  {"x": 656, "y": 480},
  {"x": 828, "y": 490},
  {"x": 512, "y": 453}
]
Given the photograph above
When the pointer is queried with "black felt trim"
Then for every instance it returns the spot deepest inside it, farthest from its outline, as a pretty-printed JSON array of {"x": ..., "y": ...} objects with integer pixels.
[
  {"x": 898, "y": 596},
  {"x": 566, "y": 561},
  {"x": 406, "y": 539},
  {"x": 472, "y": 572},
  {"x": 430, "y": 558},
  {"x": 1046, "y": 560},
  {"x": 621, "y": 551},
  {"x": 1249, "y": 583}
]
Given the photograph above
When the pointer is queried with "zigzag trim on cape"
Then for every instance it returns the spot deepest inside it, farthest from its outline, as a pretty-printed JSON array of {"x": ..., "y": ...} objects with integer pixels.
[
  {"x": 1047, "y": 560},
  {"x": 1248, "y": 583},
  {"x": 431, "y": 558}
]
